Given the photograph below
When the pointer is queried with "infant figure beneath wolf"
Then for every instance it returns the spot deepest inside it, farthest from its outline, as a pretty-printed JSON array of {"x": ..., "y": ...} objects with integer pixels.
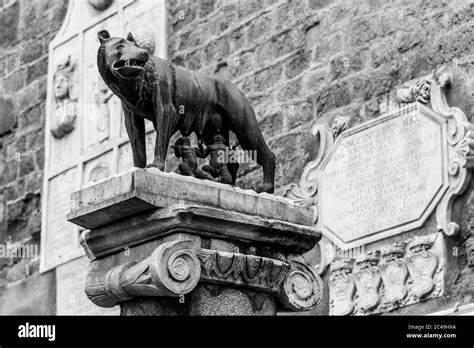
[{"x": 216, "y": 170}]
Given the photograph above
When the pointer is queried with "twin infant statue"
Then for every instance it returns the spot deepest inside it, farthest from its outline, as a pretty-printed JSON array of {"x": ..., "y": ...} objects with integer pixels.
[{"x": 217, "y": 169}]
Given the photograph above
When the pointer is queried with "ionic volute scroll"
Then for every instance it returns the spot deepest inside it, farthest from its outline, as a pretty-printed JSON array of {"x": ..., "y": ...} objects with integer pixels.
[
  {"x": 176, "y": 268},
  {"x": 172, "y": 270}
]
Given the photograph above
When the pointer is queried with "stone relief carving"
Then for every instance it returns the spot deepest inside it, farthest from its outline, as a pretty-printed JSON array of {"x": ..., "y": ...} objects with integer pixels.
[
  {"x": 422, "y": 264},
  {"x": 175, "y": 268},
  {"x": 65, "y": 112},
  {"x": 101, "y": 99},
  {"x": 420, "y": 92},
  {"x": 302, "y": 288},
  {"x": 99, "y": 172},
  {"x": 394, "y": 272},
  {"x": 396, "y": 276},
  {"x": 341, "y": 288},
  {"x": 368, "y": 280}
]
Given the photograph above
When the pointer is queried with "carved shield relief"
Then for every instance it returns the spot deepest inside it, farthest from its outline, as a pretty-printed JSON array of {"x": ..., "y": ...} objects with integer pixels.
[
  {"x": 394, "y": 275},
  {"x": 84, "y": 133},
  {"x": 367, "y": 279},
  {"x": 422, "y": 265},
  {"x": 341, "y": 288}
]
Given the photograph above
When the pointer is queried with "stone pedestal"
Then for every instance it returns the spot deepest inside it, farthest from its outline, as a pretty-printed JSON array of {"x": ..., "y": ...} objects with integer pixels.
[{"x": 164, "y": 244}]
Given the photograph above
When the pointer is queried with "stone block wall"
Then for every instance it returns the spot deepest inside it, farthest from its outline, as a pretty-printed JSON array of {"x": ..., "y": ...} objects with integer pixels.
[
  {"x": 27, "y": 27},
  {"x": 306, "y": 61}
]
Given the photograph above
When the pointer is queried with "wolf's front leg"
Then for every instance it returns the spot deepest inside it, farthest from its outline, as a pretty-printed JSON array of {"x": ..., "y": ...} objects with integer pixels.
[
  {"x": 164, "y": 131},
  {"x": 135, "y": 126},
  {"x": 160, "y": 151}
]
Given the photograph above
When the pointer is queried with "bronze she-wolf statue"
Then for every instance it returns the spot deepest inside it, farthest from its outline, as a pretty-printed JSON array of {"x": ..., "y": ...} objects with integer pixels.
[{"x": 177, "y": 99}]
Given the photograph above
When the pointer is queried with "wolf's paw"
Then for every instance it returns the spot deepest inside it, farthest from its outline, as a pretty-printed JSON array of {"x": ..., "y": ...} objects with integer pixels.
[
  {"x": 268, "y": 188},
  {"x": 157, "y": 165}
]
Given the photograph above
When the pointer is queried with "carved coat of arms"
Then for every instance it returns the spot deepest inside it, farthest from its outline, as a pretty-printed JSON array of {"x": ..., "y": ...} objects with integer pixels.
[
  {"x": 341, "y": 288},
  {"x": 394, "y": 273},
  {"x": 367, "y": 279},
  {"x": 422, "y": 265}
]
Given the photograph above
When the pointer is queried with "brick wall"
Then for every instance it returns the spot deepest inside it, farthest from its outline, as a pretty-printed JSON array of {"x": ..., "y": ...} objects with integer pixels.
[{"x": 26, "y": 27}]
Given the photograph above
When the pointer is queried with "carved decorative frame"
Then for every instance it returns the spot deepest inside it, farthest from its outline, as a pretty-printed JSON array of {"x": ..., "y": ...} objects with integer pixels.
[{"x": 459, "y": 136}]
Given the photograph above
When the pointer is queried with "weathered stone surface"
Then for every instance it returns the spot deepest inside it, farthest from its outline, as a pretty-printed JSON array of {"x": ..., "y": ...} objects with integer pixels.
[
  {"x": 206, "y": 300},
  {"x": 9, "y": 17},
  {"x": 205, "y": 222},
  {"x": 7, "y": 116},
  {"x": 141, "y": 190},
  {"x": 215, "y": 300},
  {"x": 35, "y": 295}
]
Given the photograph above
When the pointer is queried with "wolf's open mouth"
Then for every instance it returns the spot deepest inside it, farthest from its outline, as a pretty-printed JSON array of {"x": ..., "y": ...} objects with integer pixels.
[
  {"x": 128, "y": 62},
  {"x": 129, "y": 67}
]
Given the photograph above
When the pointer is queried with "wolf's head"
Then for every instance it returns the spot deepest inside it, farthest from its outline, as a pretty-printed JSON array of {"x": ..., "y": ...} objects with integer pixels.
[{"x": 122, "y": 58}]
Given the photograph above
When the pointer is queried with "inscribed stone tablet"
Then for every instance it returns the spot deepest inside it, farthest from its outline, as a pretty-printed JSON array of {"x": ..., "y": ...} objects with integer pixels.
[{"x": 383, "y": 177}]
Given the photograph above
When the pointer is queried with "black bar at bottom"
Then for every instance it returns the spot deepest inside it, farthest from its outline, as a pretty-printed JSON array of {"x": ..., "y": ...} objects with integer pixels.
[{"x": 287, "y": 330}]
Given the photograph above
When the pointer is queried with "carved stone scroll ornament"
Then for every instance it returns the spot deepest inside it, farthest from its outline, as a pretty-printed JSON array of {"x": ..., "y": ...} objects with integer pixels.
[
  {"x": 460, "y": 152},
  {"x": 172, "y": 270},
  {"x": 417, "y": 93},
  {"x": 302, "y": 288},
  {"x": 306, "y": 193},
  {"x": 175, "y": 269},
  {"x": 460, "y": 137}
]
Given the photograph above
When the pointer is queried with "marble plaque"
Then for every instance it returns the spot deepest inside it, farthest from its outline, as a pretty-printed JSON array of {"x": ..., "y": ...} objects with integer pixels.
[
  {"x": 84, "y": 132},
  {"x": 70, "y": 296},
  {"x": 383, "y": 177},
  {"x": 63, "y": 236}
]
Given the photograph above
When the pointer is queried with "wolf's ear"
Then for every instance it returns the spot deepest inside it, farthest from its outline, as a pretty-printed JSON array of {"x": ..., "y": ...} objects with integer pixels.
[
  {"x": 103, "y": 36},
  {"x": 130, "y": 37}
]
